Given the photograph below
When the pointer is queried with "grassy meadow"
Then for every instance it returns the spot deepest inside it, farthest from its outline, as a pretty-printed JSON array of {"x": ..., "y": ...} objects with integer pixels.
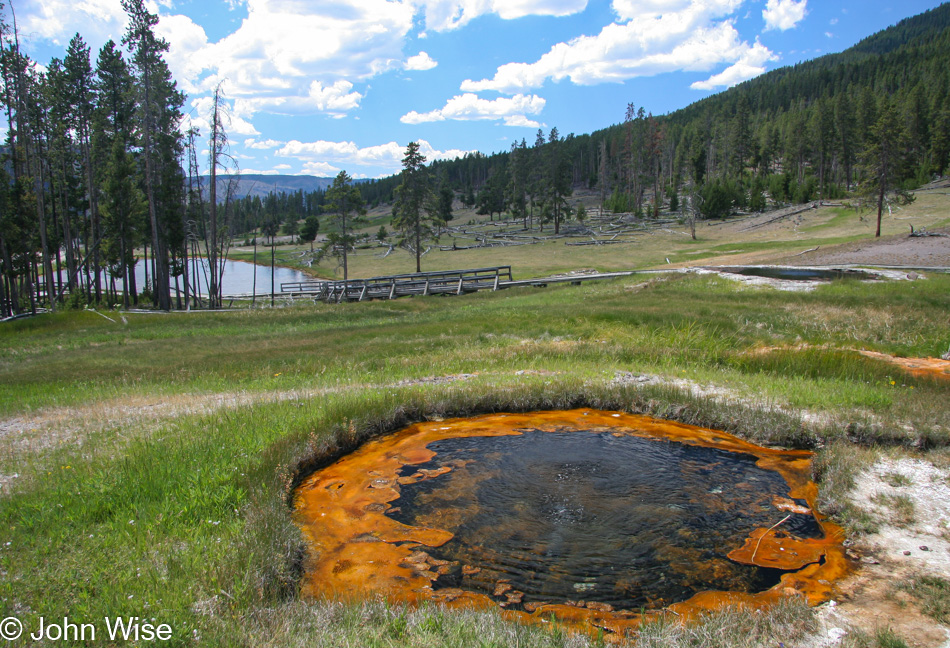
[
  {"x": 147, "y": 461},
  {"x": 716, "y": 243}
]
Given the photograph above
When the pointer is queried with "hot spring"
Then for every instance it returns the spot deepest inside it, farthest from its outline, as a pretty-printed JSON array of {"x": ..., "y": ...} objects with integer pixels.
[{"x": 597, "y": 518}]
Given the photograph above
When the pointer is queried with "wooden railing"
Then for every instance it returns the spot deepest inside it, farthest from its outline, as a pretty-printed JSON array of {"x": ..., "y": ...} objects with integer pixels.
[{"x": 391, "y": 286}]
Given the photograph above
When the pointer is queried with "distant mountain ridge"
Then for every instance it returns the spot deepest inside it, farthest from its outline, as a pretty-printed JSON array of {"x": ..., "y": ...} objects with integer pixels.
[{"x": 260, "y": 184}]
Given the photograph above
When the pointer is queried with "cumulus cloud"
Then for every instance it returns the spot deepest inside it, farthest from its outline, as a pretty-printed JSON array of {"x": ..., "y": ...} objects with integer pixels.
[
  {"x": 751, "y": 65},
  {"x": 262, "y": 145},
  {"x": 335, "y": 100},
  {"x": 649, "y": 38},
  {"x": 521, "y": 120},
  {"x": 445, "y": 15},
  {"x": 56, "y": 20},
  {"x": 326, "y": 155},
  {"x": 784, "y": 14},
  {"x": 200, "y": 117},
  {"x": 470, "y": 107},
  {"x": 292, "y": 56},
  {"x": 420, "y": 61}
]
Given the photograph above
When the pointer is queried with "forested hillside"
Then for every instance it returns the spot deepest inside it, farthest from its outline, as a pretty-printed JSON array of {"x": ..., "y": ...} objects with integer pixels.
[{"x": 820, "y": 129}]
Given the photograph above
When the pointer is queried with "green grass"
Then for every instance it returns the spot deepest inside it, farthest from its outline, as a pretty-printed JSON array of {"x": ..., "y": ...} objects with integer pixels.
[
  {"x": 896, "y": 479},
  {"x": 933, "y": 594},
  {"x": 901, "y": 509},
  {"x": 840, "y": 217},
  {"x": 183, "y": 515}
]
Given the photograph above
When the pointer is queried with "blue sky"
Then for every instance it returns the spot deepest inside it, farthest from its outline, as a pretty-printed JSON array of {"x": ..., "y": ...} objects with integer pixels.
[{"x": 316, "y": 86}]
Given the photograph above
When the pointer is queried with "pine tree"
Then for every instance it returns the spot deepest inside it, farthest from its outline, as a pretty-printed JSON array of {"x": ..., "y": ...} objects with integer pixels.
[
  {"x": 823, "y": 139},
  {"x": 516, "y": 194},
  {"x": 845, "y": 134},
  {"x": 79, "y": 91},
  {"x": 491, "y": 197},
  {"x": 218, "y": 234},
  {"x": 439, "y": 203},
  {"x": 158, "y": 114},
  {"x": 123, "y": 211},
  {"x": 408, "y": 213},
  {"x": 112, "y": 137},
  {"x": 653, "y": 153},
  {"x": 885, "y": 160},
  {"x": 342, "y": 198},
  {"x": 557, "y": 180}
]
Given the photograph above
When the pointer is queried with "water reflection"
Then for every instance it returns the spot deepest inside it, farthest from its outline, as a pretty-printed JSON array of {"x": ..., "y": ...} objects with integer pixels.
[
  {"x": 626, "y": 521},
  {"x": 238, "y": 277}
]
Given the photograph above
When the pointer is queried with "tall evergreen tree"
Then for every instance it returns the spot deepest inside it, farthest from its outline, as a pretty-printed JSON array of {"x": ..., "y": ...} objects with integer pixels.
[
  {"x": 885, "y": 160},
  {"x": 491, "y": 197},
  {"x": 409, "y": 217},
  {"x": 516, "y": 193},
  {"x": 557, "y": 180},
  {"x": 79, "y": 90},
  {"x": 441, "y": 197},
  {"x": 845, "y": 134},
  {"x": 158, "y": 114},
  {"x": 112, "y": 138},
  {"x": 342, "y": 198}
]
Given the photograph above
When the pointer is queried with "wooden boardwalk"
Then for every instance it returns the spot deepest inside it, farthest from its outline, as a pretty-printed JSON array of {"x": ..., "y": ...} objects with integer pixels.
[{"x": 448, "y": 282}]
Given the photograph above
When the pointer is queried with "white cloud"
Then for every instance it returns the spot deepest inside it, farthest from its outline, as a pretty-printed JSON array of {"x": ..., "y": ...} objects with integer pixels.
[
  {"x": 56, "y": 20},
  {"x": 641, "y": 9},
  {"x": 470, "y": 107},
  {"x": 260, "y": 172},
  {"x": 784, "y": 14},
  {"x": 651, "y": 37},
  {"x": 335, "y": 100},
  {"x": 420, "y": 61},
  {"x": 445, "y": 15},
  {"x": 325, "y": 155},
  {"x": 292, "y": 56},
  {"x": 751, "y": 65},
  {"x": 320, "y": 169},
  {"x": 262, "y": 145},
  {"x": 200, "y": 117},
  {"x": 520, "y": 120}
]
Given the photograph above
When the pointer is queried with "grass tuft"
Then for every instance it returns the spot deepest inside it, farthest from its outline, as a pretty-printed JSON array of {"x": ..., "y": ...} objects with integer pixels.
[
  {"x": 783, "y": 624},
  {"x": 933, "y": 595},
  {"x": 901, "y": 507},
  {"x": 835, "y": 469}
]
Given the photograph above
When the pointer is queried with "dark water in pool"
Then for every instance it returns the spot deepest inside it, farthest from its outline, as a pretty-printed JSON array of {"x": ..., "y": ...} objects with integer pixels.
[
  {"x": 574, "y": 515},
  {"x": 801, "y": 274}
]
